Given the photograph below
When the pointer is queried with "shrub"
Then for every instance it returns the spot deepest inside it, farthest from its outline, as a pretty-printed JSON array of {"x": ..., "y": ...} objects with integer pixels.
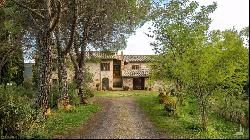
[
  {"x": 170, "y": 105},
  {"x": 125, "y": 88},
  {"x": 28, "y": 84},
  {"x": 88, "y": 93},
  {"x": 161, "y": 94},
  {"x": 54, "y": 96},
  {"x": 193, "y": 126},
  {"x": 17, "y": 117},
  {"x": 73, "y": 95}
]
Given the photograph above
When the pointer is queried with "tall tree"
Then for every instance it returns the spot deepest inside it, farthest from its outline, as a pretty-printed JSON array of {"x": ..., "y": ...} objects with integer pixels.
[
  {"x": 104, "y": 25},
  {"x": 45, "y": 19},
  {"x": 179, "y": 27},
  {"x": 64, "y": 35},
  {"x": 11, "y": 55}
]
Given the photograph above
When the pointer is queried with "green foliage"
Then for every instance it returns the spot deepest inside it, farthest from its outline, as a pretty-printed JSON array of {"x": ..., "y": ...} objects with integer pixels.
[
  {"x": 16, "y": 113},
  {"x": 28, "y": 84},
  {"x": 88, "y": 78},
  {"x": 186, "y": 125},
  {"x": 73, "y": 96},
  {"x": 198, "y": 62},
  {"x": 54, "y": 96},
  {"x": 88, "y": 92},
  {"x": 18, "y": 118},
  {"x": 13, "y": 68}
]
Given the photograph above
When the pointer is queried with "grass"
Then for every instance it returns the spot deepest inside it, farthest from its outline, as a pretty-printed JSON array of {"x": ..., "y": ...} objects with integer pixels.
[
  {"x": 61, "y": 121},
  {"x": 140, "y": 93},
  {"x": 186, "y": 124}
]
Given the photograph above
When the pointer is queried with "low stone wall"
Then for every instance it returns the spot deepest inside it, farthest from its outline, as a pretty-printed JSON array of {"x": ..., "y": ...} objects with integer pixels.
[{"x": 128, "y": 82}]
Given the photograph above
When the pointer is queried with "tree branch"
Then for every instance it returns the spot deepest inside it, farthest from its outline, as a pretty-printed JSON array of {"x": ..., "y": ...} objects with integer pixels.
[
  {"x": 29, "y": 9},
  {"x": 56, "y": 20},
  {"x": 73, "y": 27}
]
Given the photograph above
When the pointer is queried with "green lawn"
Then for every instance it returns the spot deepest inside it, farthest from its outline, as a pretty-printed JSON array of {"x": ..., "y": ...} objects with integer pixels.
[
  {"x": 61, "y": 121},
  {"x": 140, "y": 93},
  {"x": 186, "y": 124}
]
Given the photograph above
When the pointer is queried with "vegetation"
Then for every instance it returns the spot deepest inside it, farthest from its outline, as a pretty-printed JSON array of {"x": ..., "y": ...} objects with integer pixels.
[
  {"x": 185, "y": 125},
  {"x": 68, "y": 120},
  {"x": 205, "y": 73},
  {"x": 201, "y": 64},
  {"x": 19, "y": 118}
]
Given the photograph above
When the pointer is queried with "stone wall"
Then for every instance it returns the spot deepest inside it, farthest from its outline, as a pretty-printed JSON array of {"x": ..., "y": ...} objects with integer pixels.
[
  {"x": 128, "y": 82},
  {"x": 98, "y": 75},
  {"x": 108, "y": 74},
  {"x": 95, "y": 69}
]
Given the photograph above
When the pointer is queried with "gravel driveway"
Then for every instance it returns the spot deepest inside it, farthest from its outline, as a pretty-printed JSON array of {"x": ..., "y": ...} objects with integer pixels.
[{"x": 121, "y": 118}]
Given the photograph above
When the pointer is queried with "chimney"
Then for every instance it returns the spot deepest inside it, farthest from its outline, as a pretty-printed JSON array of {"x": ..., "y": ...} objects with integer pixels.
[{"x": 122, "y": 55}]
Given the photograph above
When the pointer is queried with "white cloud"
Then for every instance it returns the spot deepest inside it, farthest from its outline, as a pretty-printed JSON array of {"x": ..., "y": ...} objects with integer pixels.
[
  {"x": 139, "y": 43},
  {"x": 229, "y": 14}
]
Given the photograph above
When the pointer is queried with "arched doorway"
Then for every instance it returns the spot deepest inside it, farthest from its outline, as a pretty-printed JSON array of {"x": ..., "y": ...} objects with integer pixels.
[{"x": 105, "y": 83}]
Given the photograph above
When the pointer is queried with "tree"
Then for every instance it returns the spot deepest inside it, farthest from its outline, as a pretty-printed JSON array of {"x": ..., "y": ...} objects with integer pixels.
[
  {"x": 178, "y": 25},
  {"x": 45, "y": 18},
  {"x": 180, "y": 33},
  {"x": 103, "y": 25},
  {"x": 203, "y": 61},
  {"x": 11, "y": 55},
  {"x": 64, "y": 36}
]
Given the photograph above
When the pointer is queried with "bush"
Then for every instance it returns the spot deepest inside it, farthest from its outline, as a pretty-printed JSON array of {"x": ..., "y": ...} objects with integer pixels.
[
  {"x": 73, "y": 95},
  {"x": 125, "y": 88},
  {"x": 54, "y": 96},
  {"x": 17, "y": 117},
  {"x": 169, "y": 105},
  {"x": 161, "y": 94},
  {"x": 88, "y": 93}
]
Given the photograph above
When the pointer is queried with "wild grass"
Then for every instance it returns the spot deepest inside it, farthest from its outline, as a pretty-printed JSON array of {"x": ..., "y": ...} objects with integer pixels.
[
  {"x": 187, "y": 123},
  {"x": 61, "y": 121}
]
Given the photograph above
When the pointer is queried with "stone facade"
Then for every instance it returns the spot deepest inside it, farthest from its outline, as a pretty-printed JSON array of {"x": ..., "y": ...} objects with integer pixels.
[{"x": 131, "y": 71}]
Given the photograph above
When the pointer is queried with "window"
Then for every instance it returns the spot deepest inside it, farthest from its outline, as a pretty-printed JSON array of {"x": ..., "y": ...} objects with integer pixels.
[
  {"x": 135, "y": 67},
  {"x": 105, "y": 67}
]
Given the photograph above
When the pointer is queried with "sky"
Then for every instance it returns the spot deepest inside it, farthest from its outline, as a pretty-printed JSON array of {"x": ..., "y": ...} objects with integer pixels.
[{"x": 229, "y": 14}]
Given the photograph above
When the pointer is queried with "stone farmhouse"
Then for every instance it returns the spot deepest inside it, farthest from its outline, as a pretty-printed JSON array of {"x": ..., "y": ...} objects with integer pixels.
[{"x": 116, "y": 72}]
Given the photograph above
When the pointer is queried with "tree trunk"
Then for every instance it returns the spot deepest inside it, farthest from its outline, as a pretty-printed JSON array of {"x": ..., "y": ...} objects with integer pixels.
[
  {"x": 203, "y": 116},
  {"x": 63, "y": 83},
  {"x": 80, "y": 68},
  {"x": 178, "y": 86},
  {"x": 44, "y": 73},
  {"x": 62, "y": 53},
  {"x": 203, "y": 108},
  {"x": 80, "y": 80}
]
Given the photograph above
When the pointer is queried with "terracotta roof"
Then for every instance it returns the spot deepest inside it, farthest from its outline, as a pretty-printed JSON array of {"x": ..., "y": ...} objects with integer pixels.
[
  {"x": 136, "y": 58},
  {"x": 136, "y": 73},
  {"x": 100, "y": 55}
]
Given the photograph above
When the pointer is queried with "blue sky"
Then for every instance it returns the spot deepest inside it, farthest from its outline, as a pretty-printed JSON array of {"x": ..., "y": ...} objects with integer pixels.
[{"x": 229, "y": 14}]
